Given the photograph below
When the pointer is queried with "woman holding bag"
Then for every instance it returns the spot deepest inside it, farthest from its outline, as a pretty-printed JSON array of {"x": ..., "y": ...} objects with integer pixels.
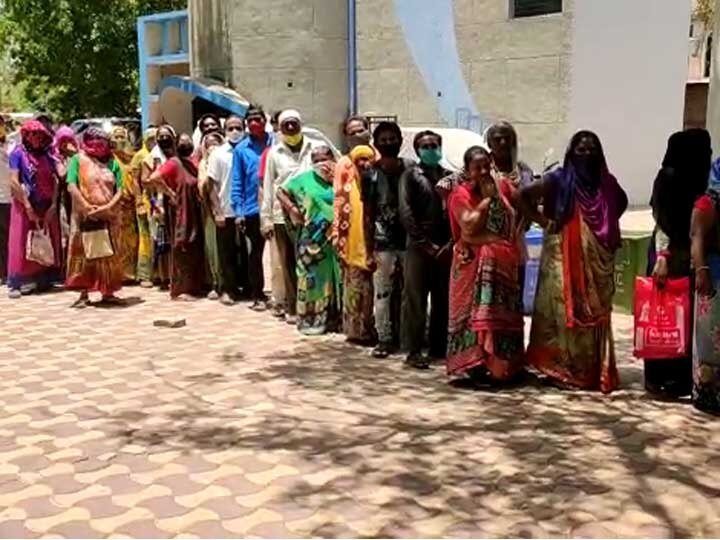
[
  {"x": 681, "y": 180},
  {"x": 95, "y": 184},
  {"x": 34, "y": 187}
]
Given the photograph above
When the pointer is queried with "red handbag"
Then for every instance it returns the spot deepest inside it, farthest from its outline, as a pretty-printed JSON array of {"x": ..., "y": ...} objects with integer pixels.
[{"x": 662, "y": 318}]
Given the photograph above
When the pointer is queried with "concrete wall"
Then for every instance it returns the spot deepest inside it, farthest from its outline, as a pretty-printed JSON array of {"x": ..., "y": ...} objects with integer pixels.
[
  {"x": 629, "y": 71},
  {"x": 465, "y": 63},
  {"x": 713, "y": 116},
  {"x": 293, "y": 54}
]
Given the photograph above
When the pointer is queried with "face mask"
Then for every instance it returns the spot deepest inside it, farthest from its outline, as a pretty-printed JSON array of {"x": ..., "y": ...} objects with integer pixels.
[
  {"x": 234, "y": 136},
  {"x": 359, "y": 139},
  {"x": 256, "y": 130},
  {"x": 431, "y": 156},
  {"x": 185, "y": 150},
  {"x": 323, "y": 169},
  {"x": 388, "y": 150},
  {"x": 293, "y": 140},
  {"x": 165, "y": 144},
  {"x": 588, "y": 167}
]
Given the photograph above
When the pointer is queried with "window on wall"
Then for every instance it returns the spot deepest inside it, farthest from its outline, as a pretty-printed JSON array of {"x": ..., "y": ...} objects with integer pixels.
[
  {"x": 532, "y": 8},
  {"x": 708, "y": 56}
]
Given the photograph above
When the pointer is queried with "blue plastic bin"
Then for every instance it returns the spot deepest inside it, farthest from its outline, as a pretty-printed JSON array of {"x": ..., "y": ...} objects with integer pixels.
[{"x": 534, "y": 239}]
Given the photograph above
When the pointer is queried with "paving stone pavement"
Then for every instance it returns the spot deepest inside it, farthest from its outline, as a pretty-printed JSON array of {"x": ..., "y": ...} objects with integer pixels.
[{"x": 236, "y": 426}]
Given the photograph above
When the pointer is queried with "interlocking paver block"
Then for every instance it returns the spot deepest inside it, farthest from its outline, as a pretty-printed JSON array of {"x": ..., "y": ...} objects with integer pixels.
[{"x": 123, "y": 430}]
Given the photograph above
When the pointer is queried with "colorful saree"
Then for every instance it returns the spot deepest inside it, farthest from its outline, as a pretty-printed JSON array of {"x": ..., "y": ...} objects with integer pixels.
[
  {"x": 571, "y": 338},
  {"x": 350, "y": 236},
  {"x": 144, "y": 271},
  {"x": 157, "y": 221},
  {"x": 706, "y": 346},
  {"x": 212, "y": 255},
  {"x": 318, "y": 272},
  {"x": 187, "y": 273},
  {"x": 486, "y": 322},
  {"x": 128, "y": 236},
  {"x": 706, "y": 342},
  {"x": 36, "y": 172},
  {"x": 98, "y": 183}
]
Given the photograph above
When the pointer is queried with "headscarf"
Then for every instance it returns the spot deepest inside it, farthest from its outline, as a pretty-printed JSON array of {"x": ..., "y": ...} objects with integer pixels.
[
  {"x": 503, "y": 125},
  {"x": 35, "y": 137},
  {"x": 198, "y": 134},
  {"x": 289, "y": 114},
  {"x": 598, "y": 193},
  {"x": 521, "y": 174},
  {"x": 204, "y": 144},
  {"x": 681, "y": 180},
  {"x": 63, "y": 136},
  {"x": 144, "y": 151},
  {"x": 96, "y": 144},
  {"x": 360, "y": 152},
  {"x": 156, "y": 152},
  {"x": 122, "y": 150}
]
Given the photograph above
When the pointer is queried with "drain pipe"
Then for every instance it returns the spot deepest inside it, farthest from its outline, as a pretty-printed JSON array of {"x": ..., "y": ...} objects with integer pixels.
[{"x": 352, "y": 56}]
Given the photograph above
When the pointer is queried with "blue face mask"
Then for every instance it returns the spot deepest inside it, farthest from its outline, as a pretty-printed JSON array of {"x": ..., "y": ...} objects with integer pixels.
[{"x": 430, "y": 156}]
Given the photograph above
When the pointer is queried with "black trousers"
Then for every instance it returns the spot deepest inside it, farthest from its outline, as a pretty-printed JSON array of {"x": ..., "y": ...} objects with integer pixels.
[
  {"x": 425, "y": 276},
  {"x": 4, "y": 237},
  {"x": 252, "y": 245},
  {"x": 286, "y": 249},
  {"x": 230, "y": 258}
]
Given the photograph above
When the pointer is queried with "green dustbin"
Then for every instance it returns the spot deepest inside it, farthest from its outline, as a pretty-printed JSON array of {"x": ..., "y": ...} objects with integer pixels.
[{"x": 630, "y": 262}]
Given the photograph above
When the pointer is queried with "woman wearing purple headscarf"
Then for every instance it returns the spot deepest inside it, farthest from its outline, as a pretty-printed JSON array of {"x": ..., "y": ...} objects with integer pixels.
[
  {"x": 34, "y": 187},
  {"x": 571, "y": 339}
]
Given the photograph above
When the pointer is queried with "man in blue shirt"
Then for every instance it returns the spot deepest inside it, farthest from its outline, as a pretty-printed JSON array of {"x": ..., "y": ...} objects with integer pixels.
[{"x": 246, "y": 201}]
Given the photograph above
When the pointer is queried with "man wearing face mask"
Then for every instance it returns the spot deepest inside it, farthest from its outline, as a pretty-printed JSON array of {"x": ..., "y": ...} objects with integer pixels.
[
  {"x": 429, "y": 252},
  {"x": 381, "y": 195},
  {"x": 220, "y": 165},
  {"x": 290, "y": 155},
  {"x": 246, "y": 204}
]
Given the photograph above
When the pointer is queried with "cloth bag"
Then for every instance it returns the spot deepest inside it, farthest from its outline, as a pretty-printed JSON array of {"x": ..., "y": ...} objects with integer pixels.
[
  {"x": 662, "y": 318},
  {"x": 97, "y": 244},
  {"x": 39, "y": 248}
]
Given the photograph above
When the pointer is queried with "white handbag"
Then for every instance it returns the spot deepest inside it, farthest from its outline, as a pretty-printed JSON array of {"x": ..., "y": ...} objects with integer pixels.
[
  {"x": 97, "y": 244},
  {"x": 39, "y": 248}
]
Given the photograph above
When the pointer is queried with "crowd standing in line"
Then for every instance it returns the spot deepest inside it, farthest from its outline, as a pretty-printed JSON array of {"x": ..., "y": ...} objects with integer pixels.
[{"x": 368, "y": 243}]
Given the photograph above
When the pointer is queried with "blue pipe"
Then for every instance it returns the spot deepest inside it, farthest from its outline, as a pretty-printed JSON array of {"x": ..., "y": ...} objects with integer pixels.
[{"x": 352, "y": 57}]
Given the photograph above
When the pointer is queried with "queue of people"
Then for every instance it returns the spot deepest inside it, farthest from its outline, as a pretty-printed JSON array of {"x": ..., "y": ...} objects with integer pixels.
[{"x": 396, "y": 254}]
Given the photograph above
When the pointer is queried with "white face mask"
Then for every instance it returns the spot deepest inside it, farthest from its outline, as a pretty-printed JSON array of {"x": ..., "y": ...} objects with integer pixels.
[
  {"x": 324, "y": 169},
  {"x": 235, "y": 136}
]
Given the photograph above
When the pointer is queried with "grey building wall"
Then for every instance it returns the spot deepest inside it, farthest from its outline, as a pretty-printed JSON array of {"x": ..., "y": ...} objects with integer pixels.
[
  {"x": 713, "y": 111},
  {"x": 514, "y": 69},
  {"x": 280, "y": 53}
]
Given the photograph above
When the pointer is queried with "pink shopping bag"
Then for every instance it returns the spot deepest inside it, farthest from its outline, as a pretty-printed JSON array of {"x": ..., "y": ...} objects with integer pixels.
[{"x": 662, "y": 318}]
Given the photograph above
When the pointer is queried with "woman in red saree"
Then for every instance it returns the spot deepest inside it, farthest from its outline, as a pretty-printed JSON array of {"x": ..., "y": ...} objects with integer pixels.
[
  {"x": 571, "y": 339},
  {"x": 485, "y": 338},
  {"x": 95, "y": 183},
  {"x": 177, "y": 178}
]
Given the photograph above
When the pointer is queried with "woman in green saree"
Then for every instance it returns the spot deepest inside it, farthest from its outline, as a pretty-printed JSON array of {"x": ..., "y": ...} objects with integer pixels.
[{"x": 308, "y": 201}]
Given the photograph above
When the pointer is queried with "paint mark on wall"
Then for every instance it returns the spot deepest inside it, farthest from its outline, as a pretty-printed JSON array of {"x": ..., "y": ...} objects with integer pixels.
[{"x": 429, "y": 30}]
